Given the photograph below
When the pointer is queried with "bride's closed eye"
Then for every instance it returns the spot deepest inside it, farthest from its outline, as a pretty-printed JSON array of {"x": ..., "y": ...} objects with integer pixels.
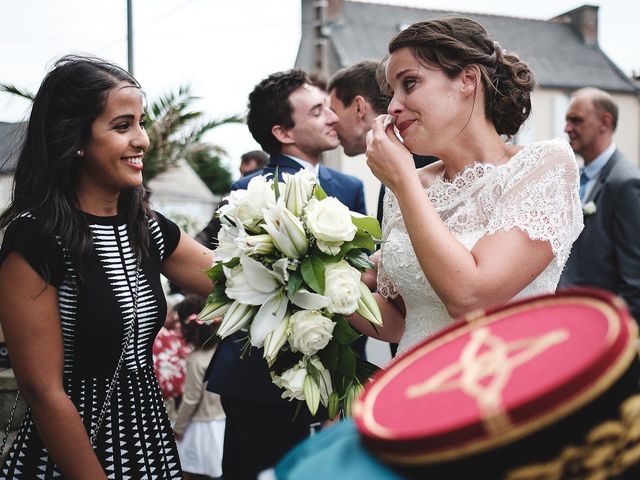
[{"x": 408, "y": 83}]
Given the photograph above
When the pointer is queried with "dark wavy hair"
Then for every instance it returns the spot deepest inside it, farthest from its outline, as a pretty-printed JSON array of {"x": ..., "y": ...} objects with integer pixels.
[
  {"x": 72, "y": 95},
  {"x": 360, "y": 79},
  {"x": 197, "y": 334},
  {"x": 269, "y": 106},
  {"x": 451, "y": 44}
]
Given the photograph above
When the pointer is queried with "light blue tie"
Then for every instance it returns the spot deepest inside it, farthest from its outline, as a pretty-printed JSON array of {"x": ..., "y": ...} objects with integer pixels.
[{"x": 584, "y": 179}]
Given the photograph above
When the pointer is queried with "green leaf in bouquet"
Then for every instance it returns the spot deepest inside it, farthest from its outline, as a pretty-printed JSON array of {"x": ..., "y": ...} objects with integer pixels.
[
  {"x": 234, "y": 262},
  {"x": 318, "y": 192},
  {"x": 329, "y": 355},
  {"x": 334, "y": 405},
  {"x": 368, "y": 224},
  {"x": 363, "y": 240},
  {"x": 294, "y": 283},
  {"x": 215, "y": 273},
  {"x": 311, "y": 393},
  {"x": 344, "y": 333},
  {"x": 276, "y": 184},
  {"x": 312, "y": 270},
  {"x": 347, "y": 361},
  {"x": 359, "y": 259}
]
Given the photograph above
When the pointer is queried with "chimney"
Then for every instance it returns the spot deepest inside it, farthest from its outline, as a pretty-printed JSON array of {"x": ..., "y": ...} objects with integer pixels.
[
  {"x": 334, "y": 11},
  {"x": 584, "y": 21}
]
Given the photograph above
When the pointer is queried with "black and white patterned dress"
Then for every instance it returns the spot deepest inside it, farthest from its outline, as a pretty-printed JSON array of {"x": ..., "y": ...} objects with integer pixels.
[{"x": 95, "y": 297}]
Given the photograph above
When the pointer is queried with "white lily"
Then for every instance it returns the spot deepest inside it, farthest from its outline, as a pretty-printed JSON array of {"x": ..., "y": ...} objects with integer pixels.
[
  {"x": 285, "y": 229},
  {"x": 309, "y": 300},
  {"x": 352, "y": 395},
  {"x": 368, "y": 307},
  {"x": 298, "y": 190},
  {"x": 230, "y": 232},
  {"x": 276, "y": 339},
  {"x": 268, "y": 318},
  {"x": 237, "y": 317},
  {"x": 213, "y": 310},
  {"x": 255, "y": 244},
  {"x": 311, "y": 394},
  {"x": 251, "y": 282}
]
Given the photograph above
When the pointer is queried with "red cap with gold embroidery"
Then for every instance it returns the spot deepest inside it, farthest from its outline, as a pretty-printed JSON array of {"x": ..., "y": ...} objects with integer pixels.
[{"x": 519, "y": 373}]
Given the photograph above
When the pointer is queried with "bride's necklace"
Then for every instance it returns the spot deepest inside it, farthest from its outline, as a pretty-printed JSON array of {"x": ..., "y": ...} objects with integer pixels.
[
  {"x": 499, "y": 161},
  {"x": 495, "y": 164}
]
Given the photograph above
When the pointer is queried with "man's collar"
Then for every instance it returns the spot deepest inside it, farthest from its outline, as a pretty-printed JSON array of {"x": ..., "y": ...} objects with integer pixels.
[
  {"x": 306, "y": 165},
  {"x": 593, "y": 169}
]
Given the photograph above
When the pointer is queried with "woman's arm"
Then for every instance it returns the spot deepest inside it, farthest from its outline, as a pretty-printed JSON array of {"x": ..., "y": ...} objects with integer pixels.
[
  {"x": 499, "y": 265},
  {"x": 187, "y": 264},
  {"x": 31, "y": 325}
]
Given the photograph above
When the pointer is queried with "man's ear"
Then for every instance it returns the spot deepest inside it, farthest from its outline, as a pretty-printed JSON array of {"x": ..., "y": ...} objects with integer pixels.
[
  {"x": 606, "y": 122},
  {"x": 470, "y": 79},
  {"x": 360, "y": 105},
  {"x": 282, "y": 134}
]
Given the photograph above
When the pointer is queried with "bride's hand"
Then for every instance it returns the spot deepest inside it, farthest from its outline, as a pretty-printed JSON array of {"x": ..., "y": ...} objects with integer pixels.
[{"x": 387, "y": 157}]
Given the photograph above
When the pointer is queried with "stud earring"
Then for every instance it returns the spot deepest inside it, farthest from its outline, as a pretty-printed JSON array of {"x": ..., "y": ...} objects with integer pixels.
[{"x": 79, "y": 153}]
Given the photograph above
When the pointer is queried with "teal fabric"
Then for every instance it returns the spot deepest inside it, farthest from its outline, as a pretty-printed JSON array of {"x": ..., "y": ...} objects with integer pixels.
[{"x": 334, "y": 453}]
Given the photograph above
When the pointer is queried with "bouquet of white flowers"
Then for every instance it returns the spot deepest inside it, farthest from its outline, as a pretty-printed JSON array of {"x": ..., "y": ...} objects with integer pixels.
[{"x": 288, "y": 271}]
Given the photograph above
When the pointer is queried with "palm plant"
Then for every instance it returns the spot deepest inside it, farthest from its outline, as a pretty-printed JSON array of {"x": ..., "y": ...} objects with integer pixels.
[
  {"x": 173, "y": 127},
  {"x": 175, "y": 132}
]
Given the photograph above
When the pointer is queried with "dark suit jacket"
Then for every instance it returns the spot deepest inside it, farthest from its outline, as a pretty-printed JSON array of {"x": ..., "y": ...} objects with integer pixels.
[
  {"x": 248, "y": 378},
  {"x": 607, "y": 252}
]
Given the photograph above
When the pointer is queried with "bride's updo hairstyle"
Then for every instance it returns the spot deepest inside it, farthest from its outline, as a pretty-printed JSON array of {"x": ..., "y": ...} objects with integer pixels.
[{"x": 451, "y": 44}]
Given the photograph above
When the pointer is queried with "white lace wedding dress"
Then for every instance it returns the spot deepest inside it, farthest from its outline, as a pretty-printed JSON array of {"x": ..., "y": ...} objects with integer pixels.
[{"x": 536, "y": 192}]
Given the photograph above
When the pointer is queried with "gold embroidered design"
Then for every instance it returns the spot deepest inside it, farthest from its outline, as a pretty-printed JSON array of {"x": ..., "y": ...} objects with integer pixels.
[
  {"x": 494, "y": 363},
  {"x": 608, "y": 450}
]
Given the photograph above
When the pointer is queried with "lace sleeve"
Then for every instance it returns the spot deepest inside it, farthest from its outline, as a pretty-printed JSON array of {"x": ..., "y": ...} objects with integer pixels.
[
  {"x": 390, "y": 211},
  {"x": 541, "y": 198}
]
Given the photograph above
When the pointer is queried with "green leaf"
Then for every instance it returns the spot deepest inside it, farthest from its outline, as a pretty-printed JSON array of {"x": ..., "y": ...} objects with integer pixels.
[
  {"x": 312, "y": 270},
  {"x": 216, "y": 273},
  {"x": 234, "y": 262},
  {"x": 329, "y": 355},
  {"x": 369, "y": 225},
  {"x": 319, "y": 193},
  {"x": 334, "y": 405},
  {"x": 347, "y": 361},
  {"x": 363, "y": 240},
  {"x": 218, "y": 295},
  {"x": 359, "y": 260},
  {"x": 294, "y": 283},
  {"x": 276, "y": 184},
  {"x": 343, "y": 333}
]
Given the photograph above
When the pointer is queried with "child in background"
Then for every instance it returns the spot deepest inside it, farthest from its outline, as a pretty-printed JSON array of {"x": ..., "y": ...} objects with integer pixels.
[
  {"x": 199, "y": 426},
  {"x": 170, "y": 353}
]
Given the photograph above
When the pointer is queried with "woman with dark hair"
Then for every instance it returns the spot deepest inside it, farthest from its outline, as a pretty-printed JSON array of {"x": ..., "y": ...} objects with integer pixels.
[
  {"x": 80, "y": 293},
  {"x": 490, "y": 221}
]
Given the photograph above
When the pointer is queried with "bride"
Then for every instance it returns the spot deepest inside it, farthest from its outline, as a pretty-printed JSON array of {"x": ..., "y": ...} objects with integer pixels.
[{"x": 488, "y": 223}]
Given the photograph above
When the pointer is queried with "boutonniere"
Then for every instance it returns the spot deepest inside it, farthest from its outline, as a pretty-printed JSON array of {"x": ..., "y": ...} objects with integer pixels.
[{"x": 589, "y": 209}]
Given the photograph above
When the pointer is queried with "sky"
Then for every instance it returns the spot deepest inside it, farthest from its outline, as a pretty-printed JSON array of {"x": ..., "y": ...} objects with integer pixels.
[{"x": 221, "y": 48}]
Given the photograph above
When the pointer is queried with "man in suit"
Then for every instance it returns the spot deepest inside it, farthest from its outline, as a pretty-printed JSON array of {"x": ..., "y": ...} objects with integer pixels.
[
  {"x": 291, "y": 119},
  {"x": 607, "y": 252}
]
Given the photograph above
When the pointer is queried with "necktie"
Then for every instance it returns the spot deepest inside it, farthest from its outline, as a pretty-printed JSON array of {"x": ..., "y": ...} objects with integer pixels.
[{"x": 584, "y": 179}]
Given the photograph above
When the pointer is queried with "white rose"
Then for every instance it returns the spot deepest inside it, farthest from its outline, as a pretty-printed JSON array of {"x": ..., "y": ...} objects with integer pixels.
[
  {"x": 247, "y": 205},
  {"x": 330, "y": 223},
  {"x": 298, "y": 190},
  {"x": 310, "y": 331},
  {"x": 292, "y": 381},
  {"x": 342, "y": 286}
]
